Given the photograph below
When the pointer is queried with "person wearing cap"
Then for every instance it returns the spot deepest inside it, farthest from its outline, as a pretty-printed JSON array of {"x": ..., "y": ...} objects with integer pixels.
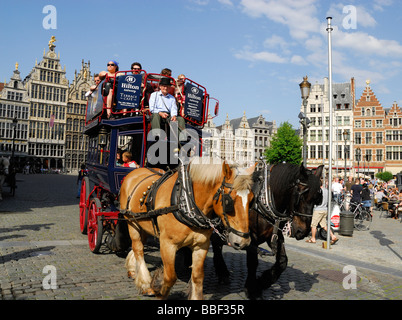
[{"x": 163, "y": 107}]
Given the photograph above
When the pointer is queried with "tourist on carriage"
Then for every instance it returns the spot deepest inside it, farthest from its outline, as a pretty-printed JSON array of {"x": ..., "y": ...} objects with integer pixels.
[
  {"x": 94, "y": 87},
  {"x": 128, "y": 161},
  {"x": 179, "y": 93},
  {"x": 110, "y": 75},
  {"x": 136, "y": 68},
  {"x": 163, "y": 107},
  {"x": 119, "y": 158}
]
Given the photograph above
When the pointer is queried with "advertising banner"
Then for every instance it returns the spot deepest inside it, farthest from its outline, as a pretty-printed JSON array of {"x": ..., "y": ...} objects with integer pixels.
[
  {"x": 193, "y": 105},
  {"x": 128, "y": 95}
]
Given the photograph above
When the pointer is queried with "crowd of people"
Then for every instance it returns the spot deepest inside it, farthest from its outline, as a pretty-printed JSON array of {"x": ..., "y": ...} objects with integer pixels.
[
  {"x": 164, "y": 101},
  {"x": 368, "y": 192}
]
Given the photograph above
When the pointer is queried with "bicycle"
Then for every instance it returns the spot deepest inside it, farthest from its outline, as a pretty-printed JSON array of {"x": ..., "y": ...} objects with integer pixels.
[{"x": 361, "y": 215}]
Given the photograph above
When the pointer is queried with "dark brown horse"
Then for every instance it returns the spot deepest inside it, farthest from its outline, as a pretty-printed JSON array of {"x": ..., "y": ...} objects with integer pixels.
[
  {"x": 285, "y": 194},
  {"x": 205, "y": 189}
]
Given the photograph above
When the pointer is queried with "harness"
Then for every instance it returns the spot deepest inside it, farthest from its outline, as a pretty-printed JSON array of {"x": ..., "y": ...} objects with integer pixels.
[
  {"x": 183, "y": 204},
  {"x": 265, "y": 205}
]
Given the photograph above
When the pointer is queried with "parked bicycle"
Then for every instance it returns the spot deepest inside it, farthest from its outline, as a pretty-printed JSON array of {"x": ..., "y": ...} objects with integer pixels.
[{"x": 362, "y": 216}]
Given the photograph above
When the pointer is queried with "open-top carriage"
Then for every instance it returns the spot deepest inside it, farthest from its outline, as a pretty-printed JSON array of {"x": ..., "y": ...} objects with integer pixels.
[{"x": 128, "y": 129}]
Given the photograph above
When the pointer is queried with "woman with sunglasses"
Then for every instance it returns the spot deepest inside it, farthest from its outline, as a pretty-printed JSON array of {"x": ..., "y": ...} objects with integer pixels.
[{"x": 110, "y": 74}]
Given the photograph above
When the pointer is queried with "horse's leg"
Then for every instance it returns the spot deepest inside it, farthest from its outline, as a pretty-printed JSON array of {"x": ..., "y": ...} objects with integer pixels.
[
  {"x": 197, "y": 273},
  {"x": 253, "y": 290},
  {"x": 219, "y": 263},
  {"x": 142, "y": 276},
  {"x": 168, "y": 255},
  {"x": 270, "y": 276}
]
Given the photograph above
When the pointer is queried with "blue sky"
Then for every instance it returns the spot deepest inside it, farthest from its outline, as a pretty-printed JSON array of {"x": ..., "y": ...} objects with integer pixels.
[{"x": 249, "y": 54}]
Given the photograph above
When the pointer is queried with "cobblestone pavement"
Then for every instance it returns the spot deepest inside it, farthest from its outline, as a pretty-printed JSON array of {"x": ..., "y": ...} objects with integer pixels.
[{"x": 39, "y": 235}]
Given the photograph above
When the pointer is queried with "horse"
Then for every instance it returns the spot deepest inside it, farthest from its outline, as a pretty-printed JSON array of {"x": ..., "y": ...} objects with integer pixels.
[
  {"x": 182, "y": 208},
  {"x": 4, "y": 170},
  {"x": 284, "y": 199}
]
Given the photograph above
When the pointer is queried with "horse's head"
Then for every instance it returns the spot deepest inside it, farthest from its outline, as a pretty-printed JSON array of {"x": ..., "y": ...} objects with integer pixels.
[
  {"x": 306, "y": 194},
  {"x": 229, "y": 197},
  {"x": 4, "y": 164}
]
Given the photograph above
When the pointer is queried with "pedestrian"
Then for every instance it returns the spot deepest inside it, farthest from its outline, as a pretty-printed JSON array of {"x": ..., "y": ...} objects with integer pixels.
[
  {"x": 81, "y": 174},
  {"x": 356, "y": 192},
  {"x": 337, "y": 190},
  {"x": 320, "y": 214},
  {"x": 366, "y": 197}
]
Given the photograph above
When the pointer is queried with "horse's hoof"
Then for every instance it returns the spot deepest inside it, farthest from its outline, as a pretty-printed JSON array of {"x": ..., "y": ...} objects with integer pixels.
[{"x": 149, "y": 293}]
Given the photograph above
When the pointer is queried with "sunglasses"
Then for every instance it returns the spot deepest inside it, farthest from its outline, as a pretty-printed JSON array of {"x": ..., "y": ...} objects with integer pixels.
[
  {"x": 136, "y": 69},
  {"x": 111, "y": 65}
]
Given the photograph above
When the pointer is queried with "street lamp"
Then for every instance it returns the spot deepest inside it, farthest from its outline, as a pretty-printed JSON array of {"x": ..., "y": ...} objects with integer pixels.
[
  {"x": 345, "y": 137},
  {"x": 368, "y": 158},
  {"x": 305, "y": 92},
  {"x": 14, "y": 126},
  {"x": 358, "y": 154}
]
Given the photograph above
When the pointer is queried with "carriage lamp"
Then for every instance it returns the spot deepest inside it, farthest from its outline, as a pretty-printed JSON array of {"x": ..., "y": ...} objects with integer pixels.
[{"x": 102, "y": 136}]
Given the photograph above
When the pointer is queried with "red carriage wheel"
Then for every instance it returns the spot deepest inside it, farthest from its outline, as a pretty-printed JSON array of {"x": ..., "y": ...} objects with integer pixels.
[
  {"x": 84, "y": 195},
  {"x": 95, "y": 225}
]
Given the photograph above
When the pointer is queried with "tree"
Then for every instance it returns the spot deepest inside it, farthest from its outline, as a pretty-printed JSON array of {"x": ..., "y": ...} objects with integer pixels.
[
  {"x": 286, "y": 146},
  {"x": 384, "y": 176}
]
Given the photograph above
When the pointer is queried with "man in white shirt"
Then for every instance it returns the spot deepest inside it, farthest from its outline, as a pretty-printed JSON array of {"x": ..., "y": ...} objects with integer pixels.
[
  {"x": 336, "y": 189},
  {"x": 162, "y": 106}
]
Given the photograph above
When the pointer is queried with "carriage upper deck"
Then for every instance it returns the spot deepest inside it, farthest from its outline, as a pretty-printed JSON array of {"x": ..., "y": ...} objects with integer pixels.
[{"x": 124, "y": 126}]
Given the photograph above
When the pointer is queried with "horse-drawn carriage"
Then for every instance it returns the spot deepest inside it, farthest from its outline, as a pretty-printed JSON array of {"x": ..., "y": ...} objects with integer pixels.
[{"x": 128, "y": 129}]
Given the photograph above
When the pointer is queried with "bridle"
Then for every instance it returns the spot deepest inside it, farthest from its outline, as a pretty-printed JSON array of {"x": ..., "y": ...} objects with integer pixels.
[
  {"x": 228, "y": 206},
  {"x": 269, "y": 198}
]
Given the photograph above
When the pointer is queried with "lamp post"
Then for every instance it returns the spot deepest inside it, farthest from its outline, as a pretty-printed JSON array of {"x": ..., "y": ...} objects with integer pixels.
[
  {"x": 14, "y": 126},
  {"x": 345, "y": 137},
  {"x": 368, "y": 158},
  {"x": 358, "y": 154},
  {"x": 305, "y": 92}
]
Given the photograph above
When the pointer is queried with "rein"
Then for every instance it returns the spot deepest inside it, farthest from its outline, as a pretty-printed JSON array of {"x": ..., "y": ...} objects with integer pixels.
[{"x": 183, "y": 205}]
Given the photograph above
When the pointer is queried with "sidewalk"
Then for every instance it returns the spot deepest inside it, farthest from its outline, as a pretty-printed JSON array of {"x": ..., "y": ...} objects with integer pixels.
[{"x": 379, "y": 248}]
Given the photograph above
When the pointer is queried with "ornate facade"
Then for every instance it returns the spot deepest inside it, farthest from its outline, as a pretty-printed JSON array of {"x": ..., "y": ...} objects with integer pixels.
[
  {"x": 14, "y": 108},
  {"x": 76, "y": 141},
  {"x": 47, "y": 87},
  {"x": 240, "y": 140}
]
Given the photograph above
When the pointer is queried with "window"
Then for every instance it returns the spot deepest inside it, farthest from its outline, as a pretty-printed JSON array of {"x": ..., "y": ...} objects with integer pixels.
[
  {"x": 378, "y": 123},
  {"x": 379, "y": 155},
  {"x": 368, "y": 123},
  {"x": 358, "y": 124},
  {"x": 378, "y": 138},
  {"x": 358, "y": 137},
  {"x": 368, "y": 138}
]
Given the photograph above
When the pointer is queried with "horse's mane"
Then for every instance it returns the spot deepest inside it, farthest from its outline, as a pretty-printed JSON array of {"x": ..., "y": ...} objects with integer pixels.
[{"x": 208, "y": 170}]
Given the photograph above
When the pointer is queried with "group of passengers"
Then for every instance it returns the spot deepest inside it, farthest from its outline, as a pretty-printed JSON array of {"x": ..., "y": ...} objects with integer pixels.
[
  {"x": 125, "y": 159},
  {"x": 163, "y": 101}
]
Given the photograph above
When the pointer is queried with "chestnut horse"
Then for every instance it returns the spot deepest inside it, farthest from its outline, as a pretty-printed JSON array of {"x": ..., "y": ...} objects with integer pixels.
[
  {"x": 148, "y": 203},
  {"x": 284, "y": 194}
]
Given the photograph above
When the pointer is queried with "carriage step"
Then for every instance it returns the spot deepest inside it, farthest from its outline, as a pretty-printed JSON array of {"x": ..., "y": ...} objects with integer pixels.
[{"x": 264, "y": 252}]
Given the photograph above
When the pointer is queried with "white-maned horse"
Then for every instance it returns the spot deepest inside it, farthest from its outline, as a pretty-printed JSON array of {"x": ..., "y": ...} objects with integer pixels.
[{"x": 4, "y": 164}]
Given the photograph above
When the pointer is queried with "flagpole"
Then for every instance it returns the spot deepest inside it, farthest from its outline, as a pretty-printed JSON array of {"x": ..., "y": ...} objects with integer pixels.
[{"x": 329, "y": 30}]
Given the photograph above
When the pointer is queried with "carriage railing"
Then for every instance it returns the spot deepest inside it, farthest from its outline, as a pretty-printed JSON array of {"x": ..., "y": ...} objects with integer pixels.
[{"x": 192, "y": 102}]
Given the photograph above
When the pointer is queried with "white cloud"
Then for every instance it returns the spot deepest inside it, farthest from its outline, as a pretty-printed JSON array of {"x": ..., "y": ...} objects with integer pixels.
[
  {"x": 362, "y": 43},
  {"x": 265, "y": 56},
  {"x": 297, "y": 15},
  {"x": 298, "y": 60},
  {"x": 226, "y": 2}
]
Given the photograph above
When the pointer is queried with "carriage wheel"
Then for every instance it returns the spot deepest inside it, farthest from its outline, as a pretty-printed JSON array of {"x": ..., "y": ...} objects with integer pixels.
[
  {"x": 95, "y": 225},
  {"x": 84, "y": 195}
]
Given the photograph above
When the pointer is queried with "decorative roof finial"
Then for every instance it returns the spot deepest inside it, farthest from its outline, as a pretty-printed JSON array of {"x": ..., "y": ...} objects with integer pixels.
[{"x": 51, "y": 43}]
